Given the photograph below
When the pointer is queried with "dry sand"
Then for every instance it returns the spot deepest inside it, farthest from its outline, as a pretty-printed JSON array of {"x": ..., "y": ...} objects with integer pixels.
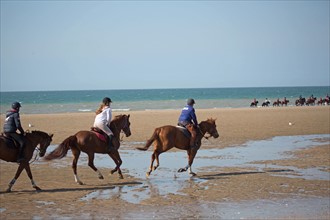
[{"x": 61, "y": 197}]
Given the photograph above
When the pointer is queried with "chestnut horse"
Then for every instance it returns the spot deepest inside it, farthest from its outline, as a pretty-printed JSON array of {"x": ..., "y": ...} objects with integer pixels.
[
  {"x": 9, "y": 152},
  {"x": 169, "y": 136},
  {"x": 90, "y": 143},
  {"x": 276, "y": 103}
]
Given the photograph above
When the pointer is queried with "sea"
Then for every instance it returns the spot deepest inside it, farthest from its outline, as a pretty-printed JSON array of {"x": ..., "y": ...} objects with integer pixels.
[{"x": 49, "y": 102}]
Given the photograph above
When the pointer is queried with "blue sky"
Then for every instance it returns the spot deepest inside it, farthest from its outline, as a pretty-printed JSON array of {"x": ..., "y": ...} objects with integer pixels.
[{"x": 77, "y": 45}]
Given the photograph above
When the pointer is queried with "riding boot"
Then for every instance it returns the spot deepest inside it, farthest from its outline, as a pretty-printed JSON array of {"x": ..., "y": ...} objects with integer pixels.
[
  {"x": 110, "y": 144},
  {"x": 20, "y": 157}
]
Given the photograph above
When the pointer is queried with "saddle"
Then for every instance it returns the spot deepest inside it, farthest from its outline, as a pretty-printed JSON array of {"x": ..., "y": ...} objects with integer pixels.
[
  {"x": 11, "y": 142},
  {"x": 100, "y": 134},
  {"x": 184, "y": 131}
]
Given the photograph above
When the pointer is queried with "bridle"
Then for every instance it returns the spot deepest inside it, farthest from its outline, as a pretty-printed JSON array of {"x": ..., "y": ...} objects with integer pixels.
[{"x": 125, "y": 128}]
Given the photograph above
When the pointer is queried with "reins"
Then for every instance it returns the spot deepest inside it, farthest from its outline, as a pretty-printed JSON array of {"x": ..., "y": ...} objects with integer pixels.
[
  {"x": 36, "y": 156},
  {"x": 203, "y": 135}
]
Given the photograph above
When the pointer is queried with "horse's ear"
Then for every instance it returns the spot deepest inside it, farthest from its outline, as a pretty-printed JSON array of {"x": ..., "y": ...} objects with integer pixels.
[
  {"x": 51, "y": 135},
  {"x": 128, "y": 115}
]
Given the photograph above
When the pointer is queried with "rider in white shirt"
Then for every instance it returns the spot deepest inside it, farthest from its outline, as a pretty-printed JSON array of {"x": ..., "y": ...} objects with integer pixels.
[{"x": 103, "y": 118}]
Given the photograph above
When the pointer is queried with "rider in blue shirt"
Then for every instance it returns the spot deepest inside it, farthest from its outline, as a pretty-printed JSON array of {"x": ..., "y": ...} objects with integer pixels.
[{"x": 188, "y": 120}]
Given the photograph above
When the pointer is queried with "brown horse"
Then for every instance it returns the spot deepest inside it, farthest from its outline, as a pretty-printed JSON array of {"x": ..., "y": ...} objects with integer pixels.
[
  {"x": 9, "y": 152},
  {"x": 90, "y": 143},
  {"x": 276, "y": 103},
  {"x": 311, "y": 101},
  {"x": 168, "y": 136}
]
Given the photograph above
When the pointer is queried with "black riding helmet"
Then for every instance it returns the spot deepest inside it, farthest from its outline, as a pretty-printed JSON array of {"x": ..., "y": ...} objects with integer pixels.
[
  {"x": 190, "y": 101},
  {"x": 16, "y": 105},
  {"x": 106, "y": 100}
]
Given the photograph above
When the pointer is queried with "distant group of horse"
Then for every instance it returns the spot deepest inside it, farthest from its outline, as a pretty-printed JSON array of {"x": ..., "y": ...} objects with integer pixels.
[{"x": 311, "y": 101}]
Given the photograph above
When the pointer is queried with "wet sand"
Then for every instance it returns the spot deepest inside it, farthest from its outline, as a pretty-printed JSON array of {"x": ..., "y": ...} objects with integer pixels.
[{"x": 229, "y": 186}]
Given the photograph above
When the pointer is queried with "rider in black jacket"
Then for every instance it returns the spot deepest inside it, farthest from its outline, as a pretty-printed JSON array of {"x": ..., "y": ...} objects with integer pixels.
[{"x": 11, "y": 125}]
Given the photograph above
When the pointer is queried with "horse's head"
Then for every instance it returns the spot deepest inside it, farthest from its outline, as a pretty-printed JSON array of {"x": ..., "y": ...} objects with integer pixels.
[
  {"x": 126, "y": 128},
  {"x": 41, "y": 138},
  {"x": 121, "y": 122},
  {"x": 209, "y": 127}
]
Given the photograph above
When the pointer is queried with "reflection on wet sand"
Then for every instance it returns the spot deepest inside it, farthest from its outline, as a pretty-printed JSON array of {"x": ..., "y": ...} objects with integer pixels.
[{"x": 167, "y": 181}]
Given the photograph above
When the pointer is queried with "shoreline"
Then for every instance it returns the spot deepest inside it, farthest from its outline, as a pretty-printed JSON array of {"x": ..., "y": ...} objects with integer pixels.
[{"x": 235, "y": 125}]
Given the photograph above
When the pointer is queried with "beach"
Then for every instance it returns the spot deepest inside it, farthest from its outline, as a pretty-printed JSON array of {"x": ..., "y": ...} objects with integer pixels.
[
  {"x": 61, "y": 196},
  {"x": 235, "y": 126}
]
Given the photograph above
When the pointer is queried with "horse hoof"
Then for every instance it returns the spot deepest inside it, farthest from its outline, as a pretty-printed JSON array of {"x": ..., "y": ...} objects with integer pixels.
[
  {"x": 147, "y": 175},
  {"x": 121, "y": 177},
  {"x": 37, "y": 188},
  {"x": 80, "y": 183},
  {"x": 101, "y": 177},
  {"x": 181, "y": 170},
  {"x": 193, "y": 174},
  {"x": 8, "y": 190}
]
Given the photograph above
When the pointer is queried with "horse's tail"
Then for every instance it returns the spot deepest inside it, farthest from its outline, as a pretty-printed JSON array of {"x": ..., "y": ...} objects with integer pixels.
[
  {"x": 155, "y": 136},
  {"x": 62, "y": 149}
]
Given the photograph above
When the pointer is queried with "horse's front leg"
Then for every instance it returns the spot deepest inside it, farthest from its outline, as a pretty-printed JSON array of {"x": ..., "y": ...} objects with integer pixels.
[
  {"x": 91, "y": 165},
  {"x": 18, "y": 173},
  {"x": 191, "y": 155},
  {"x": 114, "y": 154},
  {"x": 29, "y": 173}
]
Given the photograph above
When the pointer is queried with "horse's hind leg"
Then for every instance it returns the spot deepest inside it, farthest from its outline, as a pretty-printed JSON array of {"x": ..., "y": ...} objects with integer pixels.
[
  {"x": 91, "y": 165},
  {"x": 18, "y": 173},
  {"x": 75, "y": 154},
  {"x": 154, "y": 156}
]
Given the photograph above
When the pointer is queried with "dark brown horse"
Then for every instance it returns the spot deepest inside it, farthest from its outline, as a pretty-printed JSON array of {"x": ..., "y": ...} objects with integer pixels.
[
  {"x": 300, "y": 101},
  {"x": 254, "y": 104},
  {"x": 90, "y": 143},
  {"x": 169, "y": 136},
  {"x": 285, "y": 102},
  {"x": 9, "y": 152}
]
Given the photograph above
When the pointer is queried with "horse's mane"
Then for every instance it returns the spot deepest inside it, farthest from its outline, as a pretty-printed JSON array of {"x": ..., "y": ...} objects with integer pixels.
[
  {"x": 35, "y": 132},
  {"x": 211, "y": 120},
  {"x": 118, "y": 116},
  {"x": 40, "y": 133}
]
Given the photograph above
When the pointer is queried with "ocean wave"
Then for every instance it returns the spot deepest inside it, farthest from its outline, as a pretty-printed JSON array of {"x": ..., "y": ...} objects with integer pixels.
[
  {"x": 121, "y": 110},
  {"x": 84, "y": 110}
]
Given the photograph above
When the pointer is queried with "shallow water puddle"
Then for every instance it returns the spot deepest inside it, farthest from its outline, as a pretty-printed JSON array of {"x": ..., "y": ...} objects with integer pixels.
[
  {"x": 291, "y": 208},
  {"x": 166, "y": 180}
]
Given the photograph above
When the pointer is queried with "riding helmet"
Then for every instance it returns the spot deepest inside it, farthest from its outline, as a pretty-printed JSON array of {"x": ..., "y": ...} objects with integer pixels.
[
  {"x": 190, "y": 101},
  {"x": 106, "y": 100},
  {"x": 16, "y": 105}
]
